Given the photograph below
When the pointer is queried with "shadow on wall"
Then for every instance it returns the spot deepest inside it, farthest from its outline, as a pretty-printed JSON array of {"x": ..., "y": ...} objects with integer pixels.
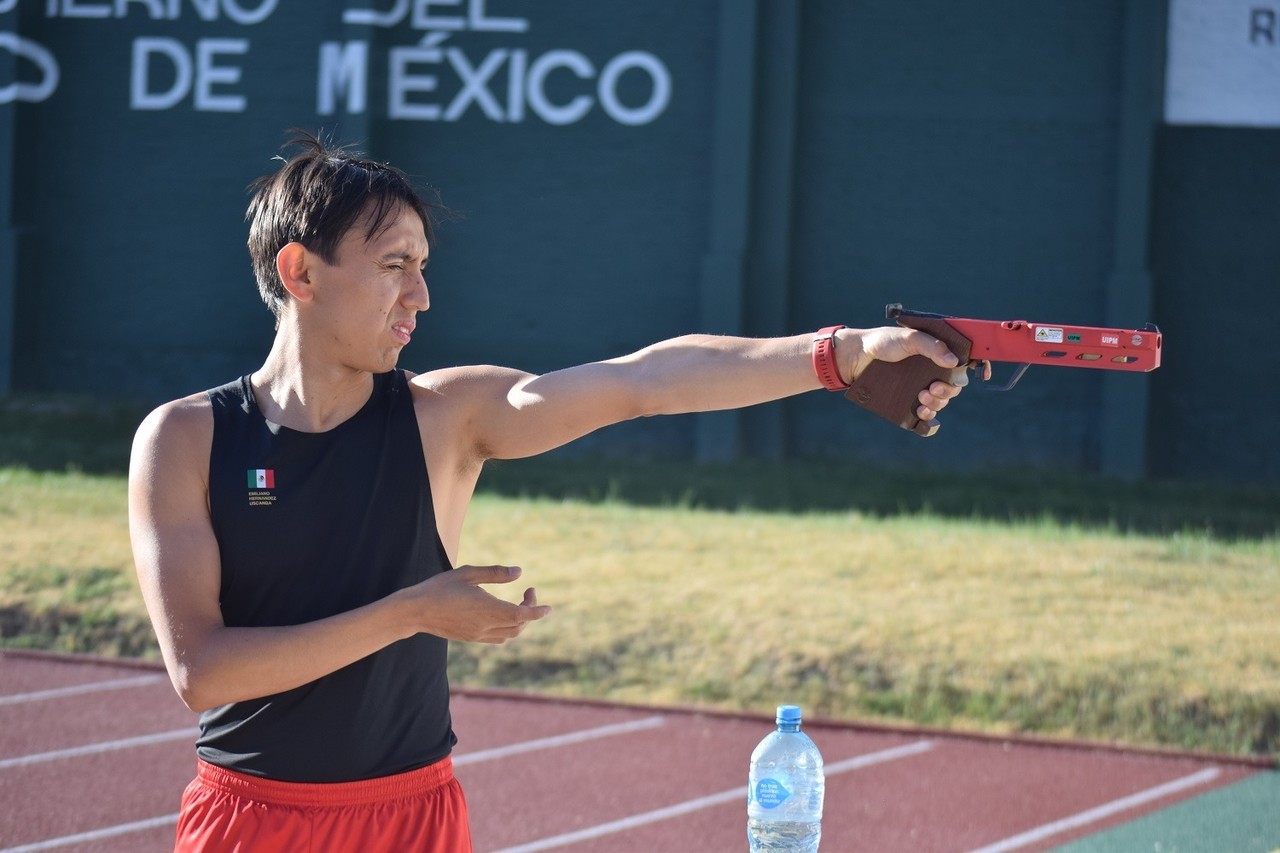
[
  {"x": 1159, "y": 507},
  {"x": 71, "y": 433}
]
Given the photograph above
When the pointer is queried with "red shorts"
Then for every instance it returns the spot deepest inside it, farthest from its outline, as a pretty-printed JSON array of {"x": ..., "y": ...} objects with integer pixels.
[{"x": 422, "y": 810}]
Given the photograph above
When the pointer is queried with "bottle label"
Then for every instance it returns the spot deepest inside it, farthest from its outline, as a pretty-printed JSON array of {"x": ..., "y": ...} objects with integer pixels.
[{"x": 770, "y": 793}]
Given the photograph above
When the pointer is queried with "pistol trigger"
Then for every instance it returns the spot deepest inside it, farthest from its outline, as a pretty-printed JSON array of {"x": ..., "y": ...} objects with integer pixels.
[
  {"x": 1008, "y": 386},
  {"x": 981, "y": 367}
]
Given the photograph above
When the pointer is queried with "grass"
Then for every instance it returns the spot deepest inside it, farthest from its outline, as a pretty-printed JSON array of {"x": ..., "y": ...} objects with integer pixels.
[
  {"x": 1054, "y": 604},
  {"x": 1035, "y": 628},
  {"x": 66, "y": 573}
]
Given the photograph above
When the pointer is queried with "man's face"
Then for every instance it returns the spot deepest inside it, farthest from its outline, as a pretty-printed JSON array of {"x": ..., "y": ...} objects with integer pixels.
[{"x": 365, "y": 303}]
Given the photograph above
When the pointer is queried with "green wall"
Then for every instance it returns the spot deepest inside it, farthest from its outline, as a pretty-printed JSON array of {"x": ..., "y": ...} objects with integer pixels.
[
  {"x": 964, "y": 164},
  {"x": 8, "y": 265},
  {"x": 809, "y": 162},
  {"x": 1217, "y": 255}
]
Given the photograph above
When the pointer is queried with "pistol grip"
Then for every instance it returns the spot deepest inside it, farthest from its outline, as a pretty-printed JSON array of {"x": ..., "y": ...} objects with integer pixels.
[{"x": 891, "y": 389}]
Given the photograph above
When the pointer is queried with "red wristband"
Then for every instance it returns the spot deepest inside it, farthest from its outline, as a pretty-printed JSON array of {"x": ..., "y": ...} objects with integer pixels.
[{"x": 824, "y": 359}]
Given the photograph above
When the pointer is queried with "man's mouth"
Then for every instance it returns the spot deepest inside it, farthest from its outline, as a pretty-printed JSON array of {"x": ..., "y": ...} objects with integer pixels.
[{"x": 403, "y": 331}]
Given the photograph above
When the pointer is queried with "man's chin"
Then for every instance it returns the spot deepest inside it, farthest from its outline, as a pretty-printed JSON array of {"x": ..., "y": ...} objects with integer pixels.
[{"x": 389, "y": 360}]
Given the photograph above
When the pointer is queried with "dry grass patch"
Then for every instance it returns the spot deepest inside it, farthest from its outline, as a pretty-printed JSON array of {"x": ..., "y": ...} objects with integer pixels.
[
  {"x": 1034, "y": 627},
  {"x": 66, "y": 571}
]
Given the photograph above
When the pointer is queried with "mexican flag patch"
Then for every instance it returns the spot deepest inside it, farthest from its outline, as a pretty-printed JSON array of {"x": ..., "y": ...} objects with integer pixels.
[{"x": 262, "y": 478}]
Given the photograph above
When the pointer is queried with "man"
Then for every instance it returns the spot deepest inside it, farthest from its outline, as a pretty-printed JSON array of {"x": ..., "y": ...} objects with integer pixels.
[{"x": 295, "y": 531}]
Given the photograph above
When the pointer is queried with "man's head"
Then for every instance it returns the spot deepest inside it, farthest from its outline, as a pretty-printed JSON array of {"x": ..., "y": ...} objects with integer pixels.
[{"x": 319, "y": 195}]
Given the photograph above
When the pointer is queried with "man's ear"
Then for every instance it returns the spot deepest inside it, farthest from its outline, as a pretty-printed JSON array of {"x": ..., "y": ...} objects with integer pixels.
[{"x": 293, "y": 267}]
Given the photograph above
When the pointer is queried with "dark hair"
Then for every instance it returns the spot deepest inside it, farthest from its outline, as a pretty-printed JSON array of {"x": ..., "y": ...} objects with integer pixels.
[{"x": 320, "y": 194}]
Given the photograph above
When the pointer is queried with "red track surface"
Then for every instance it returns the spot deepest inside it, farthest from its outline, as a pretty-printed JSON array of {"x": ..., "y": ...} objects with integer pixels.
[{"x": 102, "y": 750}]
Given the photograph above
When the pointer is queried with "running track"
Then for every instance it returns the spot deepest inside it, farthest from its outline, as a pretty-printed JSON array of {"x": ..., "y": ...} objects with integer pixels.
[{"x": 94, "y": 755}]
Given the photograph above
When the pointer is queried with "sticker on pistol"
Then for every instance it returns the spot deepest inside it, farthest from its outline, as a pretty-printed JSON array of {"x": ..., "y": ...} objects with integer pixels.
[{"x": 1047, "y": 335}]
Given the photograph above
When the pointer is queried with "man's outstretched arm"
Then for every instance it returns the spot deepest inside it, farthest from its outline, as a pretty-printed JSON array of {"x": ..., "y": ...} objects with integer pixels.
[{"x": 509, "y": 414}]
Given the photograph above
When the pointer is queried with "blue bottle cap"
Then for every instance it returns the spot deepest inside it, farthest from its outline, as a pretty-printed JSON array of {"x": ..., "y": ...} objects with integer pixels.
[{"x": 789, "y": 714}]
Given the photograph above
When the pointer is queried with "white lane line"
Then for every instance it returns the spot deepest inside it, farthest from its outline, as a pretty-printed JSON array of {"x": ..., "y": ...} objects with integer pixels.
[
  {"x": 94, "y": 748},
  {"x": 138, "y": 826},
  {"x": 80, "y": 689},
  {"x": 892, "y": 754},
  {"x": 466, "y": 758},
  {"x": 94, "y": 835},
  {"x": 1105, "y": 810},
  {"x": 731, "y": 795},
  {"x": 557, "y": 740}
]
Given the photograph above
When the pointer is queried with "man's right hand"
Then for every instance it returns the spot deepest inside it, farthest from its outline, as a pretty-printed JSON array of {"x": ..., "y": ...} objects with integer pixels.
[{"x": 453, "y": 606}]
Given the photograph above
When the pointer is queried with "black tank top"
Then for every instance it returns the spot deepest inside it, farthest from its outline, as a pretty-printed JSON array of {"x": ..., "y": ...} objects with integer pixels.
[{"x": 311, "y": 525}]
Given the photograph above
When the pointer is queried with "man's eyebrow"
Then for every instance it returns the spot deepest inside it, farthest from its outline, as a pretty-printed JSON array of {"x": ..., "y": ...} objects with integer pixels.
[{"x": 402, "y": 255}]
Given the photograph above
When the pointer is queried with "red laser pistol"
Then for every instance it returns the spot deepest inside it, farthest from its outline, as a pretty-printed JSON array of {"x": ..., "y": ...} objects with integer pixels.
[{"x": 891, "y": 389}]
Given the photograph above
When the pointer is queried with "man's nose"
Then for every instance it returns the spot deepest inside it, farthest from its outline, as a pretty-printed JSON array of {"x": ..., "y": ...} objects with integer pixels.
[{"x": 417, "y": 296}]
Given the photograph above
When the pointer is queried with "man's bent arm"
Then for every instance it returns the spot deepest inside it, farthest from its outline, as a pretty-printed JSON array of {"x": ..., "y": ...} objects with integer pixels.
[{"x": 179, "y": 569}]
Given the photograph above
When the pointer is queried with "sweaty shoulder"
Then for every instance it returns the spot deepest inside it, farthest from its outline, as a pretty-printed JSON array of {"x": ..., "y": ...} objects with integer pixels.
[
  {"x": 443, "y": 401},
  {"x": 476, "y": 378},
  {"x": 457, "y": 408},
  {"x": 175, "y": 436},
  {"x": 464, "y": 392}
]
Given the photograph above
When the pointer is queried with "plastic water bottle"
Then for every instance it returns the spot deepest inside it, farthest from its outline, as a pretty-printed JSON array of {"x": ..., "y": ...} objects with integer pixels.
[{"x": 785, "y": 789}]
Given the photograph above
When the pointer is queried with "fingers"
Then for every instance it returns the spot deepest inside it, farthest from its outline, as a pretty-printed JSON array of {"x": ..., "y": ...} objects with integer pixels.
[
  {"x": 896, "y": 343},
  {"x": 922, "y": 343},
  {"x": 511, "y": 625},
  {"x": 521, "y": 615},
  {"x": 488, "y": 574},
  {"x": 530, "y": 609},
  {"x": 934, "y": 399},
  {"x": 456, "y": 606}
]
